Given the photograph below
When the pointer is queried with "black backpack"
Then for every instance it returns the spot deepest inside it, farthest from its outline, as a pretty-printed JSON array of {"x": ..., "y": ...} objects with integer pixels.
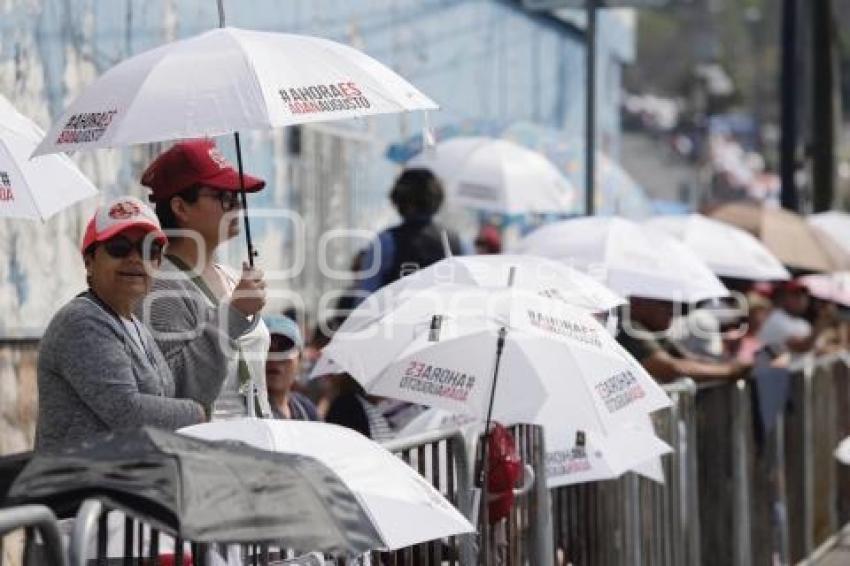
[{"x": 418, "y": 245}]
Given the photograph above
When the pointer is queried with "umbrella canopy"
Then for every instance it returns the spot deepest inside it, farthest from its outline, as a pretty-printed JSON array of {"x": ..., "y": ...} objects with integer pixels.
[
  {"x": 535, "y": 275},
  {"x": 226, "y": 80},
  {"x": 786, "y": 234},
  {"x": 728, "y": 251},
  {"x": 497, "y": 175},
  {"x": 204, "y": 491},
  {"x": 833, "y": 287},
  {"x": 629, "y": 258},
  {"x": 583, "y": 457},
  {"x": 404, "y": 508},
  {"x": 834, "y": 225},
  {"x": 34, "y": 188},
  {"x": 559, "y": 367}
]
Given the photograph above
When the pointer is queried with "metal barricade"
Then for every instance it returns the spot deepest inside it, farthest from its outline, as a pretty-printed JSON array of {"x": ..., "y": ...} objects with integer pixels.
[
  {"x": 35, "y": 519},
  {"x": 442, "y": 458},
  {"x": 633, "y": 520}
]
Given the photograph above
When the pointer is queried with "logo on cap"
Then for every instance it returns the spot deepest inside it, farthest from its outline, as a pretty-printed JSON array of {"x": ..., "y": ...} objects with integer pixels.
[
  {"x": 219, "y": 159},
  {"x": 124, "y": 210},
  {"x": 5, "y": 187}
]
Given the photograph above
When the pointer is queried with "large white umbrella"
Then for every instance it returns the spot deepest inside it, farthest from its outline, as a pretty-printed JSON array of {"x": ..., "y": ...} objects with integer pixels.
[
  {"x": 526, "y": 358},
  {"x": 226, "y": 80},
  {"x": 535, "y": 275},
  {"x": 34, "y": 188},
  {"x": 727, "y": 250},
  {"x": 833, "y": 287},
  {"x": 405, "y": 509},
  {"x": 629, "y": 258},
  {"x": 497, "y": 175},
  {"x": 835, "y": 225}
]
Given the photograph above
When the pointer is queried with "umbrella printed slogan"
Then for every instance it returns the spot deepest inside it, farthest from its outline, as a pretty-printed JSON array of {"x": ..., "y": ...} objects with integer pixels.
[
  {"x": 620, "y": 390},
  {"x": 569, "y": 328},
  {"x": 6, "y": 194},
  {"x": 572, "y": 461},
  {"x": 437, "y": 381},
  {"x": 334, "y": 97},
  {"x": 86, "y": 127}
]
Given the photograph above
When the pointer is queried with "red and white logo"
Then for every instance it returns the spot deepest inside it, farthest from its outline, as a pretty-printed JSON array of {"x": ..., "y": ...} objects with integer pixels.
[
  {"x": 124, "y": 209},
  {"x": 6, "y": 193},
  {"x": 216, "y": 155}
]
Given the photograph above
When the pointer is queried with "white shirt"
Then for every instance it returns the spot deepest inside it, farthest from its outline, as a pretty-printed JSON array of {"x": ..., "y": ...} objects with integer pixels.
[{"x": 780, "y": 326}]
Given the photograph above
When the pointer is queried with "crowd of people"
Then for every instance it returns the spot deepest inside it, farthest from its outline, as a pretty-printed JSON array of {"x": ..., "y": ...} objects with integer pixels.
[{"x": 166, "y": 336}]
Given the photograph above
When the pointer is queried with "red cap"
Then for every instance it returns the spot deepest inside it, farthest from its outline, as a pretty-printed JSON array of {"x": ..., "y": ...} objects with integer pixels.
[
  {"x": 790, "y": 286},
  {"x": 194, "y": 162},
  {"x": 119, "y": 215}
]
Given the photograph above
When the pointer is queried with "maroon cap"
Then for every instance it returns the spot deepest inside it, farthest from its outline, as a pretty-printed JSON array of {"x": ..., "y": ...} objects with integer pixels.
[{"x": 194, "y": 162}]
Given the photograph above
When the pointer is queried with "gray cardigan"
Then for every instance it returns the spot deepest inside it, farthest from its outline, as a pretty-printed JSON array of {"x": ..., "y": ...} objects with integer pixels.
[
  {"x": 198, "y": 341},
  {"x": 92, "y": 377}
]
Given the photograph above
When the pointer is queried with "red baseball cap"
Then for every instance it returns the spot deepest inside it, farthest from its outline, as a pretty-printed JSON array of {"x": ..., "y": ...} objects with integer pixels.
[
  {"x": 194, "y": 162},
  {"x": 119, "y": 215}
]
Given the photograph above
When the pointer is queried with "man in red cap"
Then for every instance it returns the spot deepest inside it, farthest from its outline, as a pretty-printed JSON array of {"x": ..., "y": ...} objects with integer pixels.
[{"x": 205, "y": 316}]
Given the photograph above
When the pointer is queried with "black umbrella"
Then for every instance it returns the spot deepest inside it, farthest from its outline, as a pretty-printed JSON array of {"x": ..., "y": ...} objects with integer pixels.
[{"x": 204, "y": 491}]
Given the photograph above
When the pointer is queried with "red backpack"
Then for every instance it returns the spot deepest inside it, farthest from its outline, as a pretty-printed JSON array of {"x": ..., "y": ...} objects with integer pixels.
[{"x": 505, "y": 469}]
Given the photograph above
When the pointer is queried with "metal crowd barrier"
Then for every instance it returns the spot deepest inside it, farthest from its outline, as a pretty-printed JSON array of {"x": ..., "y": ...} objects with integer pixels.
[
  {"x": 35, "y": 519},
  {"x": 633, "y": 520},
  {"x": 737, "y": 491},
  {"x": 441, "y": 457},
  {"x": 119, "y": 538}
]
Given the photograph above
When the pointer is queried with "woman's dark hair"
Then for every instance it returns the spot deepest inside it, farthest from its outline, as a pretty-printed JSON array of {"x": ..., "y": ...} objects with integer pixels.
[
  {"x": 163, "y": 207},
  {"x": 417, "y": 192}
]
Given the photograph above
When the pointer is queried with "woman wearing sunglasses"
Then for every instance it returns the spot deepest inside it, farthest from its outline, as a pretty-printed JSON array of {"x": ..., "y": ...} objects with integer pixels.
[
  {"x": 206, "y": 315},
  {"x": 99, "y": 368}
]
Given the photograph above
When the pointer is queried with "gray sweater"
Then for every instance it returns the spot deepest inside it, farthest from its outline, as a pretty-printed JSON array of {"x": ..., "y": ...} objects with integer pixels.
[
  {"x": 93, "y": 377},
  {"x": 198, "y": 341}
]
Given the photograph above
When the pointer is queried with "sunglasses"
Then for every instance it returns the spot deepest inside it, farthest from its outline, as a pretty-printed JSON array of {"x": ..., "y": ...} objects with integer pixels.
[
  {"x": 120, "y": 247},
  {"x": 228, "y": 200}
]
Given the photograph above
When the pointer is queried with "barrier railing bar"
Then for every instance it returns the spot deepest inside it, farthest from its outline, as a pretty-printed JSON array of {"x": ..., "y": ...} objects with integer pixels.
[
  {"x": 40, "y": 518},
  {"x": 808, "y": 371}
]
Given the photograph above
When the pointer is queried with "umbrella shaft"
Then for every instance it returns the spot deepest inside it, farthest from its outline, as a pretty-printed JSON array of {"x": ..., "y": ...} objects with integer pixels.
[
  {"x": 485, "y": 450},
  {"x": 251, "y": 251}
]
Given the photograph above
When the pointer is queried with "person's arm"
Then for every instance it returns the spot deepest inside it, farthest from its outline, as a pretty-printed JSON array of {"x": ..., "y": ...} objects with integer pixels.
[
  {"x": 664, "y": 367},
  {"x": 93, "y": 359},
  {"x": 198, "y": 342}
]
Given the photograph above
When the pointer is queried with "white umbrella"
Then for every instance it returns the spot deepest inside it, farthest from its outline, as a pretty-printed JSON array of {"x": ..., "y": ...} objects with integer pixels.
[
  {"x": 534, "y": 275},
  {"x": 599, "y": 457},
  {"x": 727, "y": 250},
  {"x": 629, "y": 258},
  {"x": 226, "y": 80},
  {"x": 34, "y": 188},
  {"x": 835, "y": 225},
  {"x": 405, "y": 509},
  {"x": 558, "y": 366},
  {"x": 497, "y": 175},
  {"x": 833, "y": 287}
]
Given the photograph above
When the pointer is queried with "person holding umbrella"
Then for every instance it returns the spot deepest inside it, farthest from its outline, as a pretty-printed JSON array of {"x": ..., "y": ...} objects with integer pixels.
[
  {"x": 205, "y": 315},
  {"x": 99, "y": 368}
]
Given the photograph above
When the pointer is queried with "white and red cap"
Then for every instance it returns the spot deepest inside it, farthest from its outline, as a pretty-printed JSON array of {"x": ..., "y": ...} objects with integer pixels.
[{"x": 119, "y": 215}]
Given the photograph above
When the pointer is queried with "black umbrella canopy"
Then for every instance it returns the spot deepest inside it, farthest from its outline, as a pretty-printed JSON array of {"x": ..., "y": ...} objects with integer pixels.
[{"x": 204, "y": 491}]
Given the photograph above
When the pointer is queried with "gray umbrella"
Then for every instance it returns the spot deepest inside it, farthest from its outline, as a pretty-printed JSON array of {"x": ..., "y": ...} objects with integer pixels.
[{"x": 204, "y": 491}]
